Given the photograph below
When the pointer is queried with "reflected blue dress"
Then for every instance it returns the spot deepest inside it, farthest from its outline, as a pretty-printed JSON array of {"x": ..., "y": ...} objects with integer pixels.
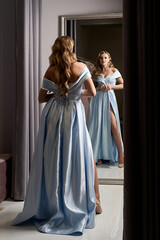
[
  {"x": 98, "y": 121},
  {"x": 60, "y": 195}
]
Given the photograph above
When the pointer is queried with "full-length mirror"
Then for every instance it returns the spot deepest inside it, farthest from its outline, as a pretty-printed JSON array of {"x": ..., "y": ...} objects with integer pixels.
[{"x": 93, "y": 34}]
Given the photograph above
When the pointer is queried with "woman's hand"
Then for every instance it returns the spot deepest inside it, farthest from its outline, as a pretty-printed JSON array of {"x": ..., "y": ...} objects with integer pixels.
[
  {"x": 108, "y": 87},
  {"x": 104, "y": 88},
  {"x": 98, "y": 88}
]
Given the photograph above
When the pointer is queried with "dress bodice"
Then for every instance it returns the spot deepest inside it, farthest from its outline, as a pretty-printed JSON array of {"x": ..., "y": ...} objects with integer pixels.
[
  {"x": 109, "y": 79},
  {"x": 74, "y": 88}
]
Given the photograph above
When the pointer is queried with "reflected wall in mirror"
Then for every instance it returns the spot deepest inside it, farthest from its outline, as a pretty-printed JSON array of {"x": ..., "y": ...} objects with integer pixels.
[{"x": 92, "y": 34}]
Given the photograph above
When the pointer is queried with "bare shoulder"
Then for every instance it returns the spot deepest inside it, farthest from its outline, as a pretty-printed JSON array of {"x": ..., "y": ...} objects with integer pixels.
[
  {"x": 114, "y": 69},
  {"x": 77, "y": 67},
  {"x": 78, "y": 64}
]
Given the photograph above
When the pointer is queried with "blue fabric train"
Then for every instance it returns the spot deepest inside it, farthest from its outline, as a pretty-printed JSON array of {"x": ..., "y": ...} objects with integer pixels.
[{"x": 60, "y": 195}]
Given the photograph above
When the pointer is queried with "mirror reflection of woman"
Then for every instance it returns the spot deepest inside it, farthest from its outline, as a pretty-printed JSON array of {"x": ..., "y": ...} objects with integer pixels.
[{"x": 103, "y": 116}]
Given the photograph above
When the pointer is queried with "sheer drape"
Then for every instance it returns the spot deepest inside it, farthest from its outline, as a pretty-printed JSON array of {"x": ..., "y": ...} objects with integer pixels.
[
  {"x": 141, "y": 120},
  {"x": 28, "y": 79}
]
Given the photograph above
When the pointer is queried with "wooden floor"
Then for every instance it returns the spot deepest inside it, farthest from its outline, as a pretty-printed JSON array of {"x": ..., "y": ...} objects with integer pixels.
[{"x": 109, "y": 224}]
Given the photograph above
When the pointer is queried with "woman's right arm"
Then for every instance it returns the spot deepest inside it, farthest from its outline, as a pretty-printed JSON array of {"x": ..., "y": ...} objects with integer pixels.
[
  {"x": 90, "y": 90},
  {"x": 44, "y": 96}
]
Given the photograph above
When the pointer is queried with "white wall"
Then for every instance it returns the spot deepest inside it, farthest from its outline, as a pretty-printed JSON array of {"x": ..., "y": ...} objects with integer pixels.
[{"x": 52, "y": 9}]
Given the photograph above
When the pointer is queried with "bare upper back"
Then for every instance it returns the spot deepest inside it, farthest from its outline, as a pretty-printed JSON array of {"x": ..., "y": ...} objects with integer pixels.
[{"x": 76, "y": 69}]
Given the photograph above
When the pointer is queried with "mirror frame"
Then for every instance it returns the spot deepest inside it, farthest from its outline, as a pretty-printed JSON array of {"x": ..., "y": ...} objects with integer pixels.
[
  {"x": 107, "y": 16},
  {"x": 110, "y": 18}
]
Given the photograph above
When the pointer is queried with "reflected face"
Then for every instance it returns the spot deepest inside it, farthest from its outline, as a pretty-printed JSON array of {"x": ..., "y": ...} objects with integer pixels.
[{"x": 104, "y": 60}]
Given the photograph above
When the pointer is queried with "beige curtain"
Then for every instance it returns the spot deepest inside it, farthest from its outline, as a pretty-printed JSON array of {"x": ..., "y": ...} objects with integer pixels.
[{"x": 28, "y": 80}]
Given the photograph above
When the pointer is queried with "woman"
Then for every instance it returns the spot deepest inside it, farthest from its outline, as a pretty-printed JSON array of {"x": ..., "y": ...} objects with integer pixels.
[
  {"x": 103, "y": 117},
  {"x": 60, "y": 195}
]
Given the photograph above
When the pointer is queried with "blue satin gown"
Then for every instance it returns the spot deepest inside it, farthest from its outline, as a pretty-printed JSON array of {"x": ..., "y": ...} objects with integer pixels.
[
  {"x": 60, "y": 195},
  {"x": 98, "y": 121}
]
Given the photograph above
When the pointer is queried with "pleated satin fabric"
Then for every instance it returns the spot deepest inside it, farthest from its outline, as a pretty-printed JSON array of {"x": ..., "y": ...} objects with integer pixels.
[
  {"x": 98, "y": 121},
  {"x": 60, "y": 195}
]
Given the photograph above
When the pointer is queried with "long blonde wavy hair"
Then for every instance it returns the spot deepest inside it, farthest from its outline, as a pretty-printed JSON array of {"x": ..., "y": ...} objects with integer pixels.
[
  {"x": 62, "y": 57},
  {"x": 98, "y": 66}
]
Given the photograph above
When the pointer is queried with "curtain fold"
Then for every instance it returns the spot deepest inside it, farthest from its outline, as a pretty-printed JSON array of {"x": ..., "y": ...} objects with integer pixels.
[
  {"x": 28, "y": 81},
  {"x": 141, "y": 120}
]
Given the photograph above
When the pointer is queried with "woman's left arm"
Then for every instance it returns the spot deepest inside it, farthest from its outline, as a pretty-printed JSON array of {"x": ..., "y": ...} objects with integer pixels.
[{"x": 119, "y": 85}]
